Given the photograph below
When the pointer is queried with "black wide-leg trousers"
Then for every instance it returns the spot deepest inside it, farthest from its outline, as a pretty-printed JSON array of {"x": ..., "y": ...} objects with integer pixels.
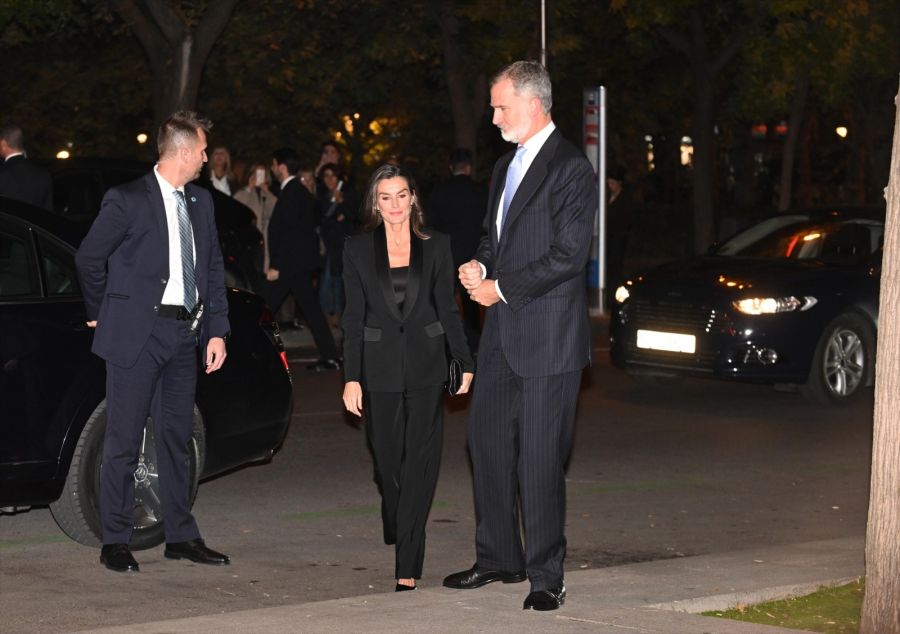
[{"x": 405, "y": 430}]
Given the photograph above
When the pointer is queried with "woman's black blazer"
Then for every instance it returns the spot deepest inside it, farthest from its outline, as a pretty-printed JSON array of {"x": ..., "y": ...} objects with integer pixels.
[{"x": 387, "y": 350}]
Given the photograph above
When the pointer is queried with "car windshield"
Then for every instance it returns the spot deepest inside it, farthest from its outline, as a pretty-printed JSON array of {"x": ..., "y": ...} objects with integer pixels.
[{"x": 799, "y": 237}]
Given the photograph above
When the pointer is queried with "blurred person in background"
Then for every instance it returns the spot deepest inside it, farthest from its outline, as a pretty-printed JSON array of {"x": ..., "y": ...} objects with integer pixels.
[
  {"x": 457, "y": 207},
  {"x": 256, "y": 194},
  {"x": 337, "y": 214},
  {"x": 20, "y": 178},
  {"x": 220, "y": 174}
]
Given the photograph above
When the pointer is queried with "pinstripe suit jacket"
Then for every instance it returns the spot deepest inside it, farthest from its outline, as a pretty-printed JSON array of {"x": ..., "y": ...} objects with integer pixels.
[{"x": 539, "y": 261}]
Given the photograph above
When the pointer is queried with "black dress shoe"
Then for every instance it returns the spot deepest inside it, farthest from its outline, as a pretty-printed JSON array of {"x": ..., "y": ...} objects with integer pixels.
[
  {"x": 403, "y": 588},
  {"x": 324, "y": 364},
  {"x": 118, "y": 557},
  {"x": 544, "y": 600},
  {"x": 196, "y": 551},
  {"x": 476, "y": 577}
]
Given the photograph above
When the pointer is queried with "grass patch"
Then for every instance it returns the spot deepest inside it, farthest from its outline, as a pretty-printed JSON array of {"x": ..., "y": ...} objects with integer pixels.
[{"x": 831, "y": 610}]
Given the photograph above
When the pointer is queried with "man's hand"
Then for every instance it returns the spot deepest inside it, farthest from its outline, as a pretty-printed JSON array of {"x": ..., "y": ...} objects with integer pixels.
[
  {"x": 91, "y": 324},
  {"x": 353, "y": 397},
  {"x": 470, "y": 274},
  {"x": 272, "y": 274},
  {"x": 485, "y": 294},
  {"x": 215, "y": 354}
]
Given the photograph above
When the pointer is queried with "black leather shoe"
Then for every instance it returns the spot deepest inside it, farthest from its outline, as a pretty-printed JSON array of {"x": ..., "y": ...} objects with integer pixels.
[
  {"x": 118, "y": 557},
  {"x": 476, "y": 577},
  {"x": 324, "y": 364},
  {"x": 196, "y": 551},
  {"x": 544, "y": 600},
  {"x": 403, "y": 588}
]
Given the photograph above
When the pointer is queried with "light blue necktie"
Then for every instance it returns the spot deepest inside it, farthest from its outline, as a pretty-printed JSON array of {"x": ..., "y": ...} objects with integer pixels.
[
  {"x": 187, "y": 252},
  {"x": 513, "y": 178}
]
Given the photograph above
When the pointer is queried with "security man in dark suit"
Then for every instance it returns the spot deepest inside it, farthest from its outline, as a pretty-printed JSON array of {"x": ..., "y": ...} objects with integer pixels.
[
  {"x": 529, "y": 271},
  {"x": 294, "y": 255},
  {"x": 457, "y": 208},
  {"x": 20, "y": 178},
  {"x": 154, "y": 286}
]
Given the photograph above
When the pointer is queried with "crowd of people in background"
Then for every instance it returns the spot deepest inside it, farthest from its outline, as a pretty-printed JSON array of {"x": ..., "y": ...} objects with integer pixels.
[
  {"x": 318, "y": 212},
  {"x": 321, "y": 217}
]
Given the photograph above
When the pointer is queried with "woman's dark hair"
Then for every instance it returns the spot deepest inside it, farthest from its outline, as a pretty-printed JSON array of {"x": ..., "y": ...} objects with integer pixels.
[
  {"x": 370, "y": 216},
  {"x": 334, "y": 168}
]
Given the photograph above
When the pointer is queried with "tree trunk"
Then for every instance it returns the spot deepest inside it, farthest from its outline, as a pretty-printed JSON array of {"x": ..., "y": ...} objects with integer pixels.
[
  {"x": 881, "y": 607},
  {"x": 467, "y": 110},
  {"x": 806, "y": 195},
  {"x": 798, "y": 105},
  {"x": 177, "y": 54},
  {"x": 701, "y": 177}
]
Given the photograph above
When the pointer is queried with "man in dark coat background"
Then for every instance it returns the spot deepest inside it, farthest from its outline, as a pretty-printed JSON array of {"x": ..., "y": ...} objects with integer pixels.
[
  {"x": 294, "y": 255},
  {"x": 20, "y": 178},
  {"x": 457, "y": 208}
]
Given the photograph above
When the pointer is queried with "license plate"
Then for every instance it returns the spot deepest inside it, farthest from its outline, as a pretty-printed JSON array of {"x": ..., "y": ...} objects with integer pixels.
[{"x": 668, "y": 341}]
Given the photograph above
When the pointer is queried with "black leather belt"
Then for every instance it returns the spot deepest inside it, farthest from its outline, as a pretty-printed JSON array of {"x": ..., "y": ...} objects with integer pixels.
[{"x": 174, "y": 312}]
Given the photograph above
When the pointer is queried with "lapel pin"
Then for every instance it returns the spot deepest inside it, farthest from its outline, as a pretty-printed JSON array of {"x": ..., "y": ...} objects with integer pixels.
[{"x": 193, "y": 200}]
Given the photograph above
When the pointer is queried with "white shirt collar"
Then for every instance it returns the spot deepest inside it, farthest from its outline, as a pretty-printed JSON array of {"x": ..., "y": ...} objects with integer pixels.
[
  {"x": 165, "y": 186},
  {"x": 287, "y": 180},
  {"x": 536, "y": 142},
  {"x": 13, "y": 155}
]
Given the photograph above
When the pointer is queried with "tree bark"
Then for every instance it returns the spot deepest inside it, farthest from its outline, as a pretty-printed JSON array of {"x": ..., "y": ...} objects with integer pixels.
[
  {"x": 704, "y": 156},
  {"x": 881, "y": 607},
  {"x": 705, "y": 67},
  {"x": 467, "y": 102},
  {"x": 789, "y": 151},
  {"x": 177, "y": 54}
]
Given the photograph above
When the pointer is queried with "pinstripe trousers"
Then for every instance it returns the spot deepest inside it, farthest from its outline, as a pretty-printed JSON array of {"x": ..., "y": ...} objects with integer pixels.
[{"x": 520, "y": 436}]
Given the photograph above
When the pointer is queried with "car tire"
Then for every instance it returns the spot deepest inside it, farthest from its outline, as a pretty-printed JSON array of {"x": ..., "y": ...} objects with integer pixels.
[
  {"x": 77, "y": 511},
  {"x": 843, "y": 363}
]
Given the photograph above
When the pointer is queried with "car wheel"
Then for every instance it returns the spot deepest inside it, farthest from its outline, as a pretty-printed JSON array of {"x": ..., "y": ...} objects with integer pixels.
[
  {"x": 844, "y": 362},
  {"x": 77, "y": 511}
]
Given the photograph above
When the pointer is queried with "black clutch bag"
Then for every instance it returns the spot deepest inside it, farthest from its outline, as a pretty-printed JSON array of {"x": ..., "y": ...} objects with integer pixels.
[{"x": 454, "y": 378}]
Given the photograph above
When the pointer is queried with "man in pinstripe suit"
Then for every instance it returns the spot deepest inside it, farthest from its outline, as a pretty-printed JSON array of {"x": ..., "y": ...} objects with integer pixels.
[{"x": 529, "y": 271}]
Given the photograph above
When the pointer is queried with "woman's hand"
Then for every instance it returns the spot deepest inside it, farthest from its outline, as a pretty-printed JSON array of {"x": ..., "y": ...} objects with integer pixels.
[
  {"x": 353, "y": 396},
  {"x": 466, "y": 382}
]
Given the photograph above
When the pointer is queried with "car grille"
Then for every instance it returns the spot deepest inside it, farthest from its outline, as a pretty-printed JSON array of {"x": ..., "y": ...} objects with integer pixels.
[
  {"x": 698, "y": 320},
  {"x": 671, "y": 317}
]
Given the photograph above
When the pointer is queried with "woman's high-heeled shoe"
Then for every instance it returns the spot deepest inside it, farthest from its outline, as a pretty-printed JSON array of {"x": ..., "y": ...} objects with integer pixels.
[{"x": 403, "y": 588}]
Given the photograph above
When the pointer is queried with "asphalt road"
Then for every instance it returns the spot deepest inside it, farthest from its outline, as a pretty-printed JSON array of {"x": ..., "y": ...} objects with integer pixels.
[{"x": 703, "y": 467}]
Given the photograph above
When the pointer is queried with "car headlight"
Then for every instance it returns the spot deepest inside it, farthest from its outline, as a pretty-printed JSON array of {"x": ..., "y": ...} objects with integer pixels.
[
  {"x": 771, "y": 305},
  {"x": 622, "y": 294}
]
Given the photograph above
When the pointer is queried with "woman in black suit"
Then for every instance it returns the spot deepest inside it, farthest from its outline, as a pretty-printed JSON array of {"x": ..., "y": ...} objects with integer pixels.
[{"x": 399, "y": 319}]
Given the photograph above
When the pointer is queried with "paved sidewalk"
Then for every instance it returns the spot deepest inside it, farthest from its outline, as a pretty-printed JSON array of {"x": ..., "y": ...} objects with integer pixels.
[{"x": 658, "y": 597}]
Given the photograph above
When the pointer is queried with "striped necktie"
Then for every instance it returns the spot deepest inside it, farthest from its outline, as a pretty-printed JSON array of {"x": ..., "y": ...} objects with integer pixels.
[{"x": 187, "y": 252}]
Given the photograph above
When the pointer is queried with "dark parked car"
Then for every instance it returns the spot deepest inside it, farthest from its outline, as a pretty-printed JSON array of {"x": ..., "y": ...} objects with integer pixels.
[
  {"x": 791, "y": 300},
  {"x": 52, "y": 388},
  {"x": 79, "y": 186}
]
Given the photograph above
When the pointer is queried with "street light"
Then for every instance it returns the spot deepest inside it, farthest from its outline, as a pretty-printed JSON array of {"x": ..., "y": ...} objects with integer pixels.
[
  {"x": 841, "y": 131},
  {"x": 141, "y": 138},
  {"x": 62, "y": 154}
]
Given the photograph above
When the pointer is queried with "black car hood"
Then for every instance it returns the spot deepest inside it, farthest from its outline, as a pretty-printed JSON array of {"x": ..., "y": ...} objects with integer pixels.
[{"x": 730, "y": 276}]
